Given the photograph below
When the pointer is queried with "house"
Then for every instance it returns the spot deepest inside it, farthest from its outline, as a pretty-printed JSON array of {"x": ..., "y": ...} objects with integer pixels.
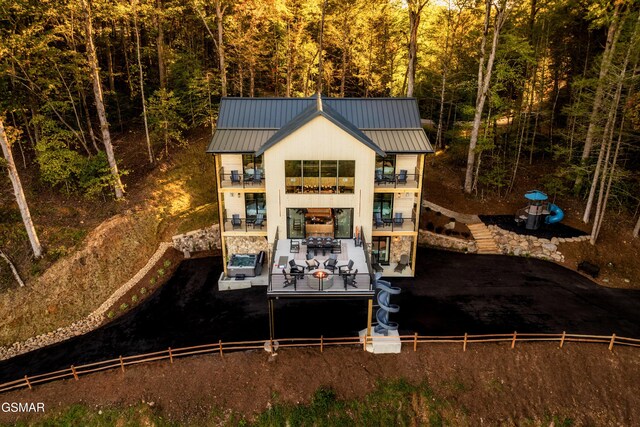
[{"x": 303, "y": 180}]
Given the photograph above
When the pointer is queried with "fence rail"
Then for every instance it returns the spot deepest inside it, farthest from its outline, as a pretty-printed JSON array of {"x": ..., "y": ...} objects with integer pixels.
[{"x": 219, "y": 348}]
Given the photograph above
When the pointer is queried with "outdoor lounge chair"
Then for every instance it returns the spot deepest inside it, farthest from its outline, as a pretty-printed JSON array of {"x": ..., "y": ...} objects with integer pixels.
[
  {"x": 345, "y": 269},
  {"x": 236, "y": 222},
  {"x": 259, "y": 222},
  {"x": 377, "y": 218},
  {"x": 402, "y": 264},
  {"x": 375, "y": 264},
  {"x": 235, "y": 177},
  {"x": 350, "y": 279},
  {"x": 397, "y": 219},
  {"x": 312, "y": 264},
  {"x": 381, "y": 178},
  {"x": 296, "y": 269},
  {"x": 257, "y": 178},
  {"x": 402, "y": 176},
  {"x": 294, "y": 246},
  {"x": 330, "y": 264},
  {"x": 289, "y": 280}
]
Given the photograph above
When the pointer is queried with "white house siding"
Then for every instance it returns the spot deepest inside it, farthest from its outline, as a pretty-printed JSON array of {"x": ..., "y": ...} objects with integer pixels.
[
  {"x": 403, "y": 202},
  {"x": 408, "y": 162},
  {"x": 234, "y": 204},
  {"x": 319, "y": 139},
  {"x": 232, "y": 162}
]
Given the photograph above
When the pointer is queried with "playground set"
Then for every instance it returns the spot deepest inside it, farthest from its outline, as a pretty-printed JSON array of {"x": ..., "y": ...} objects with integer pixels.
[{"x": 539, "y": 211}]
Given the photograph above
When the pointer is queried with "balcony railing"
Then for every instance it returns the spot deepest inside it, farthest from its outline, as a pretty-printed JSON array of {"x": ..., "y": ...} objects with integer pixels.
[
  {"x": 241, "y": 180},
  {"x": 244, "y": 224},
  {"x": 319, "y": 281},
  {"x": 398, "y": 180},
  {"x": 394, "y": 224}
]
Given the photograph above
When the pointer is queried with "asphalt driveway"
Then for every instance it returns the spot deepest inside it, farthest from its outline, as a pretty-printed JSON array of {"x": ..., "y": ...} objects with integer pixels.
[{"x": 451, "y": 294}]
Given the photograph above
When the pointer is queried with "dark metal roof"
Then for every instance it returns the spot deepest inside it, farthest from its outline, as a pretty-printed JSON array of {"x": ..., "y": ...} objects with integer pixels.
[
  {"x": 314, "y": 110},
  {"x": 248, "y": 125}
]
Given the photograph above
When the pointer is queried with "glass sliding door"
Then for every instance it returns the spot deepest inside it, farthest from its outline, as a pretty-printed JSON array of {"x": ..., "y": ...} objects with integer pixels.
[
  {"x": 295, "y": 223},
  {"x": 383, "y": 204},
  {"x": 343, "y": 223},
  {"x": 255, "y": 203},
  {"x": 380, "y": 248}
]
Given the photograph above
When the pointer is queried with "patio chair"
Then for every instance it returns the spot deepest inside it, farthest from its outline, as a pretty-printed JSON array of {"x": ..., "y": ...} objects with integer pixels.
[
  {"x": 377, "y": 218},
  {"x": 259, "y": 222},
  {"x": 397, "y": 219},
  {"x": 312, "y": 264},
  {"x": 402, "y": 176},
  {"x": 289, "y": 280},
  {"x": 236, "y": 222},
  {"x": 345, "y": 269},
  {"x": 380, "y": 178},
  {"x": 296, "y": 269},
  {"x": 330, "y": 264},
  {"x": 235, "y": 177},
  {"x": 350, "y": 279},
  {"x": 375, "y": 264},
  {"x": 336, "y": 247},
  {"x": 402, "y": 264},
  {"x": 294, "y": 246},
  {"x": 257, "y": 177}
]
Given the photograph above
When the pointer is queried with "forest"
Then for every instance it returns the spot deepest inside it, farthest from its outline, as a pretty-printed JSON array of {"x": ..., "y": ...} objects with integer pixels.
[{"x": 501, "y": 83}]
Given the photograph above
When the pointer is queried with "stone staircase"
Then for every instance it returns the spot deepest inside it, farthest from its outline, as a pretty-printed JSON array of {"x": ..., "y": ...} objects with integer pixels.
[{"x": 484, "y": 239}]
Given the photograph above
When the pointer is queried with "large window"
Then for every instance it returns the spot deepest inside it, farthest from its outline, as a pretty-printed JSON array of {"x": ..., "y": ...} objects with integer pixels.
[
  {"x": 319, "y": 176},
  {"x": 386, "y": 165},
  {"x": 251, "y": 164}
]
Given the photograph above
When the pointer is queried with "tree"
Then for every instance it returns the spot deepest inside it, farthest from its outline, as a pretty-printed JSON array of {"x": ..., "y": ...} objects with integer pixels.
[
  {"x": 19, "y": 193},
  {"x": 485, "y": 69},
  {"x": 144, "y": 102},
  {"x": 414, "y": 8},
  {"x": 97, "y": 92}
]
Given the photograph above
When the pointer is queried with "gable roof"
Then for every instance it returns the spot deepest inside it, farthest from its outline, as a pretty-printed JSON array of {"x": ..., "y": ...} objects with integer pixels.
[{"x": 252, "y": 125}]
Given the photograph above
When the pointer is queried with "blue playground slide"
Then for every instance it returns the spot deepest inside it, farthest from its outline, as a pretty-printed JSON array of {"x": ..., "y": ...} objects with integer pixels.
[
  {"x": 385, "y": 290},
  {"x": 555, "y": 214}
]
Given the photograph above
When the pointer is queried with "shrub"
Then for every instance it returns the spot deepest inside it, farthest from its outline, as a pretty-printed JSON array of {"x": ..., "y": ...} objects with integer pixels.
[
  {"x": 124, "y": 306},
  {"x": 134, "y": 299},
  {"x": 110, "y": 315},
  {"x": 152, "y": 281},
  {"x": 143, "y": 290},
  {"x": 430, "y": 226},
  {"x": 439, "y": 230},
  {"x": 161, "y": 272},
  {"x": 167, "y": 263}
]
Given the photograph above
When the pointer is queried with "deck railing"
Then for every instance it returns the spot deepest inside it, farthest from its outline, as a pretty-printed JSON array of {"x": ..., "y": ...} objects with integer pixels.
[
  {"x": 244, "y": 224},
  {"x": 220, "y": 348}
]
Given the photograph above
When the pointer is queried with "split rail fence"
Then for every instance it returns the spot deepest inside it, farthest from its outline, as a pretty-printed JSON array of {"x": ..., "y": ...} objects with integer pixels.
[{"x": 221, "y": 348}]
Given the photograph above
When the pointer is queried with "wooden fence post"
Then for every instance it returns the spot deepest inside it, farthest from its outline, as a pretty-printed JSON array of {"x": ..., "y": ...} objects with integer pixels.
[
  {"x": 121, "y": 364},
  {"x": 321, "y": 343},
  {"x": 26, "y": 378},
  {"x": 513, "y": 341},
  {"x": 220, "y": 347},
  {"x": 613, "y": 339},
  {"x": 364, "y": 342},
  {"x": 564, "y": 335},
  {"x": 73, "y": 371},
  {"x": 170, "y": 356},
  {"x": 415, "y": 342},
  {"x": 464, "y": 343}
]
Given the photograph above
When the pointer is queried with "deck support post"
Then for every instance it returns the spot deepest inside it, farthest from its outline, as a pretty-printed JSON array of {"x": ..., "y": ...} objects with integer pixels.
[{"x": 369, "y": 315}]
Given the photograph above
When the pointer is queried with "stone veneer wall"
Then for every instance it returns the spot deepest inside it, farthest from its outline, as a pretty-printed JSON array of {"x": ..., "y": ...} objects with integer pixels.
[
  {"x": 246, "y": 244},
  {"x": 429, "y": 238},
  {"x": 399, "y": 247}
]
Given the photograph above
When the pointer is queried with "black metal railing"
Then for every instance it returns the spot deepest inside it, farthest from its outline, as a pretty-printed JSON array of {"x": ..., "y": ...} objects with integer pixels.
[
  {"x": 319, "y": 280},
  {"x": 408, "y": 180},
  {"x": 245, "y": 224},
  {"x": 235, "y": 179},
  {"x": 394, "y": 224}
]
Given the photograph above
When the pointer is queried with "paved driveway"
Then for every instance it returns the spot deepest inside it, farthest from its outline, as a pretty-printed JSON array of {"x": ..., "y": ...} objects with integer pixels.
[{"x": 452, "y": 294}]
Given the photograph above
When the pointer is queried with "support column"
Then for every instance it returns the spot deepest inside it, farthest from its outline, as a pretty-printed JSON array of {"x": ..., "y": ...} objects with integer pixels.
[
  {"x": 271, "y": 319},
  {"x": 369, "y": 315}
]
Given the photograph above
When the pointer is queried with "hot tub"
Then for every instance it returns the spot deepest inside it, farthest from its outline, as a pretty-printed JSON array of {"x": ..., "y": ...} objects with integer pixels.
[{"x": 245, "y": 264}]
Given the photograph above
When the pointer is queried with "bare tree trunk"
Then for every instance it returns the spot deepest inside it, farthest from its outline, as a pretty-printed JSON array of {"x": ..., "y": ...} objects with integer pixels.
[
  {"x": 415, "y": 13},
  {"x": 12, "y": 268},
  {"x": 636, "y": 230},
  {"x": 19, "y": 193},
  {"x": 252, "y": 78},
  {"x": 484, "y": 78},
  {"x": 83, "y": 140},
  {"x": 97, "y": 92},
  {"x": 134, "y": 3},
  {"x": 162, "y": 69},
  {"x": 221, "y": 56},
  {"x": 320, "y": 47}
]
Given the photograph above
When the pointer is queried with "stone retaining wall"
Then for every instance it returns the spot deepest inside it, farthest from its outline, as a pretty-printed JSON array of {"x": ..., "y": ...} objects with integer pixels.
[
  {"x": 523, "y": 245},
  {"x": 204, "y": 239},
  {"x": 246, "y": 244},
  {"x": 443, "y": 241},
  {"x": 87, "y": 324}
]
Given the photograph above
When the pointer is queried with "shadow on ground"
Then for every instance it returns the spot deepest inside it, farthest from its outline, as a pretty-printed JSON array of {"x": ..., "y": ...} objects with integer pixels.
[{"x": 452, "y": 294}]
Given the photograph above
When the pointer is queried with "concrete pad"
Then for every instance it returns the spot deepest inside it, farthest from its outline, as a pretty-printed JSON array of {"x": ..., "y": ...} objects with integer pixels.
[{"x": 382, "y": 344}]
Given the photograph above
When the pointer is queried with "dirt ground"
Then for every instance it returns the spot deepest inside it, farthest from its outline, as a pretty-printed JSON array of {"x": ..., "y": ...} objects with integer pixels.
[
  {"x": 489, "y": 383},
  {"x": 617, "y": 253}
]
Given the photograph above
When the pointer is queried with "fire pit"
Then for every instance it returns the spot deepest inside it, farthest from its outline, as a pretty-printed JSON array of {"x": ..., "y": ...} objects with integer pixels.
[{"x": 320, "y": 280}]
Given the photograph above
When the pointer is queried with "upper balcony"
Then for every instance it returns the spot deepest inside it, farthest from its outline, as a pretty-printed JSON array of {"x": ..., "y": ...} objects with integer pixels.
[
  {"x": 256, "y": 225},
  {"x": 401, "y": 180},
  {"x": 397, "y": 223},
  {"x": 252, "y": 179}
]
